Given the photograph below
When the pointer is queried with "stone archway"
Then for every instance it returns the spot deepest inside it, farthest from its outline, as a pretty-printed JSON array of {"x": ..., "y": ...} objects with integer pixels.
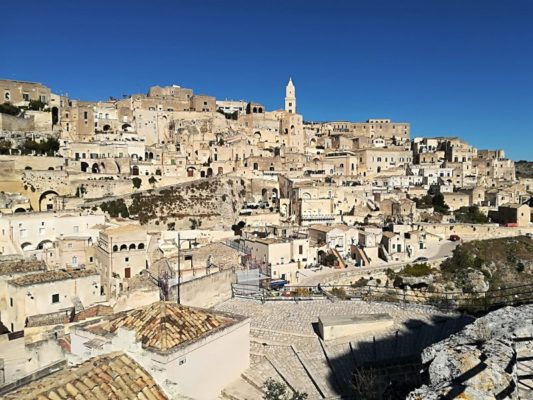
[
  {"x": 46, "y": 200},
  {"x": 55, "y": 115}
]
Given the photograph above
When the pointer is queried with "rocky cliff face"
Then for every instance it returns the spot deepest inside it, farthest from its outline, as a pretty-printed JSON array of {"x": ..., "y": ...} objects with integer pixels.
[{"x": 479, "y": 362}]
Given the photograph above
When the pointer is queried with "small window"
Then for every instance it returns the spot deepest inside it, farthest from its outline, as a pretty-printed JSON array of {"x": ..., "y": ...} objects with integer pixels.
[
  {"x": 127, "y": 259},
  {"x": 188, "y": 257},
  {"x": 11, "y": 301},
  {"x": 55, "y": 298}
]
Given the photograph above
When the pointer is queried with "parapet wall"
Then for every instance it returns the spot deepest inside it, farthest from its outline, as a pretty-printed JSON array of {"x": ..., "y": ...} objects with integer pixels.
[
  {"x": 208, "y": 290},
  {"x": 474, "y": 231}
]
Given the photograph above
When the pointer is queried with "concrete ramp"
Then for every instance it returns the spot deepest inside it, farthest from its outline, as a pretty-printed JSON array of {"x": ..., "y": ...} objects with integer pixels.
[{"x": 332, "y": 327}]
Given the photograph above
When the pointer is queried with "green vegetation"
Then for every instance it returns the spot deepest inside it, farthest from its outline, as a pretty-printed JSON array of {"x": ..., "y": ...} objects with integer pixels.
[
  {"x": 152, "y": 181},
  {"x": 471, "y": 215},
  {"x": 36, "y": 105},
  {"x": 5, "y": 145},
  {"x": 237, "y": 228},
  {"x": 10, "y": 109},
  {"x": 504, "y": 262},
  {"x": 49, "y": 146},
  {"x": 339, "y": 293},
  {"x": 416, "y": 270},
  {"x": 437, "y": 202},
  {"x": 330, "y": 260},
  {"x": 524, "y": 169},
  {"x": 115, "y": 208},
  {"x": 362, "y": 282},
  {"x": 274, "y": 390},
  {"x": 137, "y": 182},
  {"x": 195, "y": 223}
]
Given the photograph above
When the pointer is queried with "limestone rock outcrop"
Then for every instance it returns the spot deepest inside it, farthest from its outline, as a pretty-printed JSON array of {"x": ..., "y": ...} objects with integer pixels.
[{"x": 478, "y": 362}]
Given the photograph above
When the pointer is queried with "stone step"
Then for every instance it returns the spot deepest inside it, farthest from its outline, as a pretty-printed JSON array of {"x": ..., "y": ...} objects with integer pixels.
[
  {"x": 289, "y": 367},
  {"x": 241, "y": 390},
  {"x": 321, "y": 374}
]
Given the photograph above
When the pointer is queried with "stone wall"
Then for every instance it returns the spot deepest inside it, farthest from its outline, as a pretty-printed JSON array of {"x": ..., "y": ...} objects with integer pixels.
[
  {"x": 11, "y": 123},
  {"x": 480, "y": 362},
  {"x": 208, "y": 290},
  {"x": 474, "y": 231}
]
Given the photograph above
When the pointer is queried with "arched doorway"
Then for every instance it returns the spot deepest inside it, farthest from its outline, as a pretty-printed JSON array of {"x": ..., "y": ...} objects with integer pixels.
[
  {"x": 106, "y": 128},
  {"x": 135, "y": 170},
  {"x": 26, "y": 246},
  {"x": 47, "y": 200},
  {"x": 209, "y": 172},
  {"x": 95, "y": 169},
  {"x": 55, "y": 115},
  {"x": 20, "y": 210},
  {"x": 84, "y": 166},
  {"x": 45, "y": 244}
]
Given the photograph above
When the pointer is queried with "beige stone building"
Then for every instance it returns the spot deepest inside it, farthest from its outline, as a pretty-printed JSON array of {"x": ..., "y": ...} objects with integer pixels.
[
  {"x": 120, "y": 255},
  {"x": 20, "y": 93},
  {"x": 190, "y": 352}
]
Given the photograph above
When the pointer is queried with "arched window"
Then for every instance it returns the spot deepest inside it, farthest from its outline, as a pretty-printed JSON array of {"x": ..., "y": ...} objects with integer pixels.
[
  {"x": 132, "y": 246},
  {"x": 115, "y": 248},
  {"x": 140, "y": 246},
  {"x": 123, "y": 247}
]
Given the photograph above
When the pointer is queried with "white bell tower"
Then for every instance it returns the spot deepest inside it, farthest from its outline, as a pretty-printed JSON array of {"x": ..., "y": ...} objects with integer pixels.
[{"x": 290, "y": 97}]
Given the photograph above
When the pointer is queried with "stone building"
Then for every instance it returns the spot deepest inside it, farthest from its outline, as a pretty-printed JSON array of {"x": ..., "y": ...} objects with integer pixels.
[
  {"x": 190, "y": 352},
  {"x": 20, "y": 93},
  {"x": 47, "y": 292},
  {"x": 120, "y": 255}
]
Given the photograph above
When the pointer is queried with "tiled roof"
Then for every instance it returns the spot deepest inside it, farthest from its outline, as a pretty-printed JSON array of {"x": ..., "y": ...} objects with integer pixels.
[
  {"x": 164, "y": 325},
  {"x": 21, "y": 266},
  {"x": 113, "y": 376},
  {"x": 51, "y": 276}
]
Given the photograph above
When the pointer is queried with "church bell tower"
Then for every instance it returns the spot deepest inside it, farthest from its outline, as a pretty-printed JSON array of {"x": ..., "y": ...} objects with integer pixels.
[{"x": 290, "y": 97}]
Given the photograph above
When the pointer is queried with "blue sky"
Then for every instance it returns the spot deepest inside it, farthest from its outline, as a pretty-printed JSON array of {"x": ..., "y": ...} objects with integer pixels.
[{"x": 450, "y": 67}]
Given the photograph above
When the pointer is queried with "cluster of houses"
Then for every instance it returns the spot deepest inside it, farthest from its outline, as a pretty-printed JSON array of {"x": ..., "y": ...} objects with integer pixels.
[{"x": 98, "y": 291}]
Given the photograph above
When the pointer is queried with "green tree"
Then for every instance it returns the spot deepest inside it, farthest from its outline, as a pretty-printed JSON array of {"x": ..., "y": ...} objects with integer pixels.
[
  {"x": 439, "y": 205},
  {"x": 152, "y": 181},
  {"x": 471, "y": 215},
  {"x": 137, "y": 182},
  {"x": 10, "y": 109},
  {"x": 275, "y": 390},
  {"x": 36, "y": 105},
  {"x": 5, "y": 145}
]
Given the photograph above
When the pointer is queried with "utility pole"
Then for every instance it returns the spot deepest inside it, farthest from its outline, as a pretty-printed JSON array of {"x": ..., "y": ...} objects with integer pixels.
[{"x": 179, "y": 267}]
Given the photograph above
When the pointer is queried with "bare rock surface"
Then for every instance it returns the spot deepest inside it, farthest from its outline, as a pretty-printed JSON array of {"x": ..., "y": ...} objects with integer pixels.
[{"x": 479, "y": 362}]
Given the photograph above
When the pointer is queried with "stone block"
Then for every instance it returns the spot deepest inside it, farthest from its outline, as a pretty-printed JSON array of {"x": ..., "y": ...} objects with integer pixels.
[{"x": 334, "y": 327}]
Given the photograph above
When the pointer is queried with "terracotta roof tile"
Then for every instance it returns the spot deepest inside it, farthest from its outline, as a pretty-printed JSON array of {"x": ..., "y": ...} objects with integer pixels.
[
  {"x": 52, "y": 276},
  {"x": 164, "y": 325},
  {"x": 82, "y": 382}
]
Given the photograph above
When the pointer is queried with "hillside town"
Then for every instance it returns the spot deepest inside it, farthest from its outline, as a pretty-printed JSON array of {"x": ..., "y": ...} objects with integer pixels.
[{"x": 172, "y": 245}]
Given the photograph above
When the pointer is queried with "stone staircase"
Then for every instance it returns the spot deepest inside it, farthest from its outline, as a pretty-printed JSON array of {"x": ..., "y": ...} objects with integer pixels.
[{"x": 524, "y": 367}]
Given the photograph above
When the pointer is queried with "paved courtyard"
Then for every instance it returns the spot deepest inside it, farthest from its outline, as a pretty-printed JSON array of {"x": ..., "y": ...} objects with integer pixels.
[{"x": 286, "y": 347}]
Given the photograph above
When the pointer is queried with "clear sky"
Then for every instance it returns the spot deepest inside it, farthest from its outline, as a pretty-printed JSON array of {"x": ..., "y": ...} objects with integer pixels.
[{"x": 450, "y": 67}]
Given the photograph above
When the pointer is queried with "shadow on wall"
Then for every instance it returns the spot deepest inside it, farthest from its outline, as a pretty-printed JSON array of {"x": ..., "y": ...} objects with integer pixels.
[{"x": 387, "y": 368}]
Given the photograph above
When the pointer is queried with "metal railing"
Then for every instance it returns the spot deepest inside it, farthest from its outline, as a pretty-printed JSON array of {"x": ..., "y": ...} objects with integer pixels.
[{"x": 473, "y": 302}]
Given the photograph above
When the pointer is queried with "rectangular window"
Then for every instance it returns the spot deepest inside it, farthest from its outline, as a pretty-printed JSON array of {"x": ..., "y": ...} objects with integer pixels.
[
  {"x": 85, "y": 115},
  {"x": 55, "y": 298},
  {"x": 25, "y": 96},
  {"x": 11, "y": 301},
  {"x": 300, "y": 249}
]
